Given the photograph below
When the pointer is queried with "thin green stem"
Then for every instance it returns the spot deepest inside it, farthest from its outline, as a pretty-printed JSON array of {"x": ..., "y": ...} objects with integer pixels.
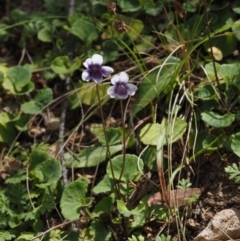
[
  {"x": 123, "y": 139},
  {"x": 107, "y": 143},
  {"x": 213, "y": 60}
]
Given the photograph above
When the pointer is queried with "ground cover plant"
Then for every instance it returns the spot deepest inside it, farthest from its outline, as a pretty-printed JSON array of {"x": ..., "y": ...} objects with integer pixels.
[{"x": 116, "y": 117}]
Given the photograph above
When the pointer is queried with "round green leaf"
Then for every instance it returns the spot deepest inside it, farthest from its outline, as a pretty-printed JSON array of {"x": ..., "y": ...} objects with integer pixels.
[
  {"x": 45, "y": 34},
  {"x": 122, "y": 208},
  {"x": 236, "y": 143},
  {"x": 103, "y": 206},
  {"x": 91, "y": 156},
  {"x": 73, "y": 198},
  {"x": 105, "y": 185},
  {"x": 149, "y": 134},
  {"x": 85, "y": 30},
  {"x": 42, "y": 99},
  {"x": 190, "y": 7},
  {"x": 130, "y": 170},
  {"x": 154, "y": 84},
  {"x": 129, "y": 6},
  {"x": 213, "y": 119},
  {"x": 88, "y": 94},
  {"x": 48, "y": 172},
  {"x": 7, "y": 130},
  {"x": 225, "y": 43},
  {"x": 19, "y": 76},
  {"x": 99, "y": 231},
  {"x": 236, "y": 6},
  {"x": 7, "y": 133},
  {"x": 8, "y": 85},
  {"x": 236, "y": 29},
  {"x": 45, "y": 168},
  {"x": 211, "y": 143},
  {"x": 61, "y": 65},
  {"x": 153, "y": 8}
]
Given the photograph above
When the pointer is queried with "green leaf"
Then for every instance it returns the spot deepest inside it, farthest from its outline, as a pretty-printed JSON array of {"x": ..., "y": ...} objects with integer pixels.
[
  {"x": 110, "y": 50},
  {"x": 87, "y": 94},
  {"x": 48, "y": 172},
  {"x": 236, "y": 29},
  {"x": 229, "y": 71},
  {"x": 41, "y": 100},
  {"x": 149, "y": 158},
  {"x": 91, "y": 156},
  {"x": 15, "y": 221},
  {"x": 18, "y": 15},
  {"x": 153, "y": 8},
  {"x": 156, "y": 83},
  {"x": 45, "y": 34},
  {"x": 205, "y": 92},
  {"x": 61, "y": 65},
  {"x": 129, "y": 6},
  {"x": 104, "y": 206},
  {"x": 226, "y": 43},
  {"x": 7, "y": 129},
  {"x": 211, "y": 143},
  {"x": 5, "y": 235},
  {"x": 122, "y": 208},
  {"x": 135, "y": 27},
  {"x": 25, "y": 237},
  {"x": 209, "y": 68},
  {"x": 139, "y": 218},
  {"x": 30, "y": 107},
  {"x": 130, "y": 170},
  {"x": 4, "y": 35},
  {"x": 19, "y": 77},
  {"x": 149, "y": 134},
  {"x": 18, "y": 80},
  {"x": 190, "y": 7},
  {"x": 235, "y": 143},
  {"x": 236, "y": 6},
  {"x": 85, "y": 29},
  {"x": 45, "y": 168},
  {"x": 234, "y": 172},
  {"x": 43, "y": 97},
  {"x": 22, "y": 122},
  {"x": 8, "y": 85},
  {"x": 105, "y": 185},
  {"x": 213, "y": 119},
  {"x": 99, "y": 231},
  {"x": 72, "y": 198},
  {"x": 114, "y": 135}
]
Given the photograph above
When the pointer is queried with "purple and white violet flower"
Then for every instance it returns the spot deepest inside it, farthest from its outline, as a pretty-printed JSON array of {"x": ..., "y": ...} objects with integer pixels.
[
  {"x": 121, "y": 88},
  {"x": 95, "y": 70}
]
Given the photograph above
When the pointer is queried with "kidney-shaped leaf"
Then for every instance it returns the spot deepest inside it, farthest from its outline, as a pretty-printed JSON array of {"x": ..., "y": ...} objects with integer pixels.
[
  {"x": 19, "y": 76},
  {"x": 42, "y": 99},
  {"x": 73, "y": 198},
  {"x": 155, "y": 83},
  {"x": 149, "y": 134},
  {"x": 91, "y": 156},
  {"x": 105, "y": 185},
  {"x": 235, "y": 144},
  {"x": 213, "y": 119},
  {"x": 48, "y": 172},
  {"x": 130, "y": 169},
  {"x": 85, "y": 30},
  {"x": 45, "y": 168},
  {"x": 122, "y": 208},
  {"x": 103, "y": 206},
  {"x": 61, "y": 65}
]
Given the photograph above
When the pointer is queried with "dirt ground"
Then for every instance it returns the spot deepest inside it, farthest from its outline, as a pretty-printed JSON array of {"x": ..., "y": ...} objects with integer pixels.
[{"x": 221, "y": 194}]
